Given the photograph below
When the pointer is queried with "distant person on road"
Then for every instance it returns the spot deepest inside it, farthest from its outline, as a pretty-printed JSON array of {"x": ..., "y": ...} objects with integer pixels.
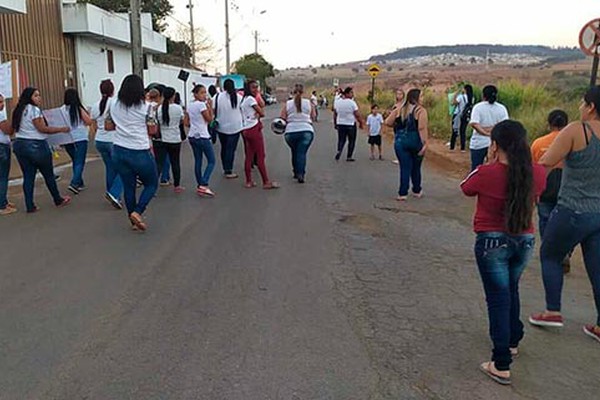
[
  {"x": 375, "y": 122},
  {"x": 199, "y": 116},
  {"x": 104, "y": 144},
  {"x": 400, "y": 98},
  {"x": 411, "y": 137},
  {"x": 170, "y": 116},
  {"x": 6, "y": 131},
  {"x": 484, "y": 117},
  {"x": 131, "y": 148},
  {"x": 506, "y": 191},
  {"x": 254, "y": 141},
  {"x": 346, "y": 115},
  {"x": 463, "y": 101},
  {"x": 557, "y": 121},
  {"x": 576, "y": 218},
  {"x": 31, "y": 148},
  {"x": 315, "y": 103},
  {"x": 230, "y": 125},
  {"x": 77, "y": 150},
  {"x": 299, "y": 132}
]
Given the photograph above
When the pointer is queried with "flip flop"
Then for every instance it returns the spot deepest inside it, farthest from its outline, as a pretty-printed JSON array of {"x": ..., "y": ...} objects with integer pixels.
[
  {"x": 250, "y": 185},
  {"x": 485, "y": 368},
  {"x": 271, "y": 186},
  {"x": 137, "y": 221}
]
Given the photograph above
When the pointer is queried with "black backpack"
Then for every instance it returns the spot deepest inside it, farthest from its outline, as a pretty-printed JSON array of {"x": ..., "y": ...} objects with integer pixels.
[{"x": 465, "y": 116}]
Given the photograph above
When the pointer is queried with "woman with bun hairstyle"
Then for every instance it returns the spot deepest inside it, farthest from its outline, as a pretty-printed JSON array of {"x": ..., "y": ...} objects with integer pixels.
[{"x": 170, "y": 116}]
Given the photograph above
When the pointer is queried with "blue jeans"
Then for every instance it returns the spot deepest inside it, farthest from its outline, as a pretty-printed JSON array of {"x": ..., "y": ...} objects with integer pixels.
[
  {"x": 165, "y": 176},
  {"x": 34, "y": 156},
  {"x": 229, "y": 145},
  {"x": 478, "y": 157},
  {"x": 410, "y": 168},
  {"x": 567, "y": 228},
  {"x": 501, "y": 259},
  {"x": 133, "y": 164},
  {"x": 200, "y": 148},
  {"x": 544, "y": 211},
  {"x": 4, "y": 171},
  {"x": 114, "y": 185},
  {"x": 77, "y": 151},
  {"x": 299, "y": 143}
]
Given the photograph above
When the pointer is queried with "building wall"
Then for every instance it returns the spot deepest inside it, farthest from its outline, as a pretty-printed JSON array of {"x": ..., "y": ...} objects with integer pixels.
[{"x": 46, "y": 56}]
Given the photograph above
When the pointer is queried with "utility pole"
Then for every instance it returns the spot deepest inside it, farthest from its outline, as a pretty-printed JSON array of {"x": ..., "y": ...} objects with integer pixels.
[
  {"x": 137, "y": 55},
  {"x": 192, "y": 33},
  {"x": 227, "y": 55},
  {"x": 256, "y": 42}
]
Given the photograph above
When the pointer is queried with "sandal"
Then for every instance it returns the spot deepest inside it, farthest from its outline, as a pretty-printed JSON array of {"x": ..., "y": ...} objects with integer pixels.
[
  {"x": 271, "y": 185},
  {"x": 137, "y": 220},
  {"x": 250, "y": 185},
  {"x": 486, "y": 369}
]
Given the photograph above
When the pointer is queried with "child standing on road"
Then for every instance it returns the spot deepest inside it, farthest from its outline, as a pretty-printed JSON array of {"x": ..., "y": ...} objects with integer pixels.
[{"x": 375, "y": 121}]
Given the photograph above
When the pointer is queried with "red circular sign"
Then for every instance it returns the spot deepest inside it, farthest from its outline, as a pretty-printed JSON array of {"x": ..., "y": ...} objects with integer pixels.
[{"x": 589, "y": 38}]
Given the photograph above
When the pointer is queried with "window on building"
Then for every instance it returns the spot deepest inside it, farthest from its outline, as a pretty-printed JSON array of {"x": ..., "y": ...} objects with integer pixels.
[
  {"x": 145, "y": 61},
  {"x": 111, "y": 61}
]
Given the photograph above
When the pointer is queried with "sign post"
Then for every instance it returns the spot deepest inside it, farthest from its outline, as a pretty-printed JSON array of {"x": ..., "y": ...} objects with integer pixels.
[
  {"x": 589, "y": 41},
  {"x": 373, "y": 70},
  {"x": 184, "y": 76}
]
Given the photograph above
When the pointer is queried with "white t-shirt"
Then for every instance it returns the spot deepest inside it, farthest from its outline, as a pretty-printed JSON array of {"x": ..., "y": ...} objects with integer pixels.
[
  {"x": 374, "y": 122},
  {"x": 102, "y": 135},
  {"x": 170, "y": 133},
  {"x": 314, "y": 101},
  {"x": 345, "y": 109},
  {"x": 27, "y": 130},
  {"x": 131, "y": 132},
  {"x": 79, "y": 132},
  {"x": 229, "y": 118},
  {"x": 198, "y": 125},
  {"x": 487, "y": 115},
  {"x": 462, "y": 101},
  {"x": 298, "y": 122},
  {"x": 249, "y": 116},
  {"x": 336, "y": 98},
  {"x": 4, "y": 138}
]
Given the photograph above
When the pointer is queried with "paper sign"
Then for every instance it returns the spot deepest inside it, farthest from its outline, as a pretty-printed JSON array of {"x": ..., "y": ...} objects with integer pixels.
[
  {"x": 6, "y": 80},
  {"x": 57, "y": 118}
]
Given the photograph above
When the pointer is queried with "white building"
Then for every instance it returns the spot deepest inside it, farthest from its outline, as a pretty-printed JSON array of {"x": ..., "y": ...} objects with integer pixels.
[{"x": 13, "y": 6}]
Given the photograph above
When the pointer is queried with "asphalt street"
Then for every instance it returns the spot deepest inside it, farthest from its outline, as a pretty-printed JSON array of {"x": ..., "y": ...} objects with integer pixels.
[{"x": 328, "y": 290}]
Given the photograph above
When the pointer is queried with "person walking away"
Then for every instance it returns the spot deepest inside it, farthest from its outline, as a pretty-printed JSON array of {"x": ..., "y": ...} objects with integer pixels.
[
  {"x": 410, "y": 123},
  {"x": 464, "y": 107},
  {"x": 230, "y": 125},
  {"x": 199, "y": 115},
  {"x": 314, "y": 100},
  {"x": 400, "y": 97},
  {"x": 374, "y": 122},
  {"x": 557, "y": 120},
  {"x": 31, "y": 148},
  {"x": 104, "y": 144},
  {"x": 506, "y": 190},
  {"x": 254, "y": 143},
  {"x": 299, "y": 132},
  {"x": 131, "y": 148},
  {"x": 346, "y": 115},
  {"x": 484, "y": 117},
  {"x": 77, "y": 150},
  {"x": 576, "y": 218},
  {"x": 170, "y": 115},
  {"x": 6, "y": 207}
]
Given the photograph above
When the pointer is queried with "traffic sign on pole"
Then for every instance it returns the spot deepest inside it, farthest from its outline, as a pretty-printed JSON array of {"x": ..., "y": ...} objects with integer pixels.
[
  {"x": 374, "y": 70},
  {"x": 589, "y": 41}
]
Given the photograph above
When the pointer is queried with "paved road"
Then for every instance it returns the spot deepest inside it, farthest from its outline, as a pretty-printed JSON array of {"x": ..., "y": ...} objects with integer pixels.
[{"x": 330, "y": 290}]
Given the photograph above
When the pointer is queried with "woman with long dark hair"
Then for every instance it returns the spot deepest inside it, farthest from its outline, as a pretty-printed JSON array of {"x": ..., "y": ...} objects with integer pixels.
[
  {"x": 6, "y": 131},
  {"x": 229, "y": 128},
  {"x": 170, "y": 116},
  {"x": 299, "y": 132},
  {"x": 464, "y": 106},
  {"x": 31, "y": 148},
  {"x": 576, "y": 218},
  {"x": 254, "y": 142},
  {"x": 104, "y": 144},
  {"x": 410, "y": 124},
  {"x": 131, "y": 148},
  {"x": 506, "y": 190},
  {"x": 77, "y": 150}
]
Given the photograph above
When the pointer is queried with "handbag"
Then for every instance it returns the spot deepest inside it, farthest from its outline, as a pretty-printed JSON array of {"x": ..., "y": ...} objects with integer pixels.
[
  {"x": 409, "y": 134},
  {"x": 152, "y": 123}
]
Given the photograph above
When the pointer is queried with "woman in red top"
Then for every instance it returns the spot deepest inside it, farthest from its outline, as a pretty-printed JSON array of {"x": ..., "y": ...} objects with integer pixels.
[{"x": 506, "y": 191}]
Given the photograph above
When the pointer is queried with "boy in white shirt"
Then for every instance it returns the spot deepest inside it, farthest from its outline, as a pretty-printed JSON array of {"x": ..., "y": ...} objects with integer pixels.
[{"x": 375, "y": 122}]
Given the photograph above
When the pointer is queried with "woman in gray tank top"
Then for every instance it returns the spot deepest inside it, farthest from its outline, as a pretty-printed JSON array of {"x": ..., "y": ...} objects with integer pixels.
[{"x": 576, "y": 218}]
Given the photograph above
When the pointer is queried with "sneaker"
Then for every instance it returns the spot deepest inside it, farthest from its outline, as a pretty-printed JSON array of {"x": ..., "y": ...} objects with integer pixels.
[
  {"x": 138, "y": 182},
  {"x": 231, "y": 176},
  {"x": 402, "y": 198},
  {"x": 165, "y": 183},
  {"x": 205, "y": 191},
  {"x": 7, "y": 211},
  {"x": 57, "y": 178},
  {"x": 337, "y": 156},
  {"x": 592, "y": 332},
  {"x": 73, "y": 189},
  {"x": 418, "y": 195},
  {"x": 350, "y": 160},
  {"x": 179, "y": 189},
  {"x": 65, "y": 202},
  {"x": 301, "y": 179},
  {"x": 395, "y": 162},
  {"x": 113, "y": 201},
  {"x": 543, "y": 320},
  {"x": 81, "y": 188}
]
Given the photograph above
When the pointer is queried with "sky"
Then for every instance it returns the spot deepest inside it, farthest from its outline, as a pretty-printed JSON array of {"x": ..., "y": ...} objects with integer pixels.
[{"x": 298, "y": 33}]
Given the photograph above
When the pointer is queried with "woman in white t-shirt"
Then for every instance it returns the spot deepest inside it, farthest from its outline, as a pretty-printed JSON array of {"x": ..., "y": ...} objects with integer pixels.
[
  {"x": 6, "y": 130},
  {"x": 77, "y": 150},
  {"x": 131, "y": 148},
  {"x": 254, "y": 142},
  {"x": 104, "y": 144},
  {"x": 299, "y": 114},
  {"x": 198, "y": 116},
  {"x": 230, "y": 125},
  {"x": 345, "y": 115},
  {"x": 32, "y": 149},
  {"x": 484, "y": 117},
  {"x": 170, "y": 115},
  {"x": 464, "y": 106}
]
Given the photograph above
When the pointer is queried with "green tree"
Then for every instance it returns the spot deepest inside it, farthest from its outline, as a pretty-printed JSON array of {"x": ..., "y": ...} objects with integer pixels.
[
  {"x": 159, "y": 9},
  {"x": 254, "y": 66}
]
